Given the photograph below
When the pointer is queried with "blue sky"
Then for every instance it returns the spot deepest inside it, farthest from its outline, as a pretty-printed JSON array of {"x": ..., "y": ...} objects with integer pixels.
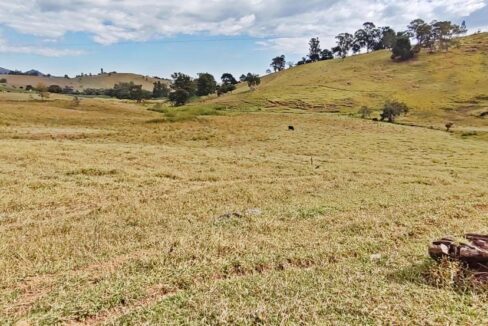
[{"x": 155, "y": 37}]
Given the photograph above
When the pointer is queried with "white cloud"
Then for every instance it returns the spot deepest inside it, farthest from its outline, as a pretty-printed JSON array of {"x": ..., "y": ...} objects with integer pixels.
[
  {"x": 38, "y": 50},
  {"x": 286, "y": 22}
]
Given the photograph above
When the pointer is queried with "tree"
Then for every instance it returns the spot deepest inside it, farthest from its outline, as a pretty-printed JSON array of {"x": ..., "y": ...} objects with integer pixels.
[
  {"x": 227, "y": 79},
  {"x": 182, "y": 81},
  {"x": 393, "y": 109},
  {"x": 344, "y": 44},
  {"x": 55, "y": 89},
  {"x": 422, "y": 32},
  {"x": 223, "y": 89},
  {"x": 369, "y": 37},
  {"x": 206, "y": 84},
  {"x": 402, "y": 49},
  {"x": 127, "y": 91},
  {"x": 388, "y": 38},
  {"x": 160, "y": 90},
  {"x": 136, "y": 93},
  {"x": 242, "y": 78},
  {"x": 42, "y": 91},
  {"x": 356, "y": 48},
  {"x": 326, "y": 54},
  {"x": 253, "y": 80},
  {"x": 314, "y": 49},
  {"x": 179, "y": 97},
  {"x": 278, "y": 63}
]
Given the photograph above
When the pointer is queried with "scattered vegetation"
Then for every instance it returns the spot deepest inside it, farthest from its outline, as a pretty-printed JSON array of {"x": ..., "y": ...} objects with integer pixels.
[{"x": 392, "y": 110}]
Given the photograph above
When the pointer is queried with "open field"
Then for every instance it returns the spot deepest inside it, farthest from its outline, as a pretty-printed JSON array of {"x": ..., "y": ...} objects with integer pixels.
[
  {"x": 109, "y": 214},
  {"x": 438, "y": 87}
]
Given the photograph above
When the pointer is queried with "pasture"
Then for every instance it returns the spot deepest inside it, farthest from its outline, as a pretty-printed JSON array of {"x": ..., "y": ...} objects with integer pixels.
[{"x": 112, "y": 214}]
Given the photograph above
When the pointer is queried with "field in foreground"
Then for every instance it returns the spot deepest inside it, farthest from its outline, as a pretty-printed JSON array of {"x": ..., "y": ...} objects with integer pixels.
[{"x": 110, "y": 215}]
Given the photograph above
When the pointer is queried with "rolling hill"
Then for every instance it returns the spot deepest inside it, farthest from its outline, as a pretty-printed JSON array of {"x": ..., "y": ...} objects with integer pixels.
[
  {"x": 107, "y": 80},
  {"x": 439, "y": 87}
]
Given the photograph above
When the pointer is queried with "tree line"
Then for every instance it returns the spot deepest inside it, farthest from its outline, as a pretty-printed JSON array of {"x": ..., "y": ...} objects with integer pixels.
[
  {"x": 184, "y": 87},
  {"x": 435, "y": 36},
  {"x": 179, "y": 92}
]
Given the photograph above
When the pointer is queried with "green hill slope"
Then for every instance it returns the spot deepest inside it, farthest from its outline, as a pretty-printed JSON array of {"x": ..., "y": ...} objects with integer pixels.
[{"x": 438, "y": 87}]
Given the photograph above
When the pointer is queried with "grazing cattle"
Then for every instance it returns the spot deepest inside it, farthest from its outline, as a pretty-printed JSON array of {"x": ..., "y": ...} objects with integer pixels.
[{"x": 291, "y": 128}]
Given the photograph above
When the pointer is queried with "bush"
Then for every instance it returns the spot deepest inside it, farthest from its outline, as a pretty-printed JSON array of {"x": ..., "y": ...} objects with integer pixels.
[
  {"x": 402, "y": 49},
  {"x": 365, "y": 112},
  {"x": 3, "y": 81},
  {"x": 179, "y": 97},
  {"x": 55, "y": 89},
  {"x": 393, "y": 109},
  {"x": 225, "y": 88}
]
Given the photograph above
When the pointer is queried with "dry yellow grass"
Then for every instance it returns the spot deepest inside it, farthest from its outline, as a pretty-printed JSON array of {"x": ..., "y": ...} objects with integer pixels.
[{"x": 109, "y": 215}]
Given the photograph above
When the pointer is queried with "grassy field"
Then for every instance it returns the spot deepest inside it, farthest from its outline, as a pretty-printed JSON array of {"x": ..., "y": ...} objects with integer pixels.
[
  {"x": 439, "y": 88},
  {"x": 112, "y": 214}
]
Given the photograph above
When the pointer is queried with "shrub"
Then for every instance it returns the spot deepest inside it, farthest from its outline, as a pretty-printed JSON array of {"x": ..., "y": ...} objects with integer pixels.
[
  {"x": 55, "y": 89},
  {"x": 402, "y": 49},
  {"x": 3, "y": 81},
  {"x": 75, "y": 102},
  {"x": 179, "y": 97},
  {"x": 393, "y": 109},
  {"x": 365, "y": 112},
  {"x": 42, "y": 90}
]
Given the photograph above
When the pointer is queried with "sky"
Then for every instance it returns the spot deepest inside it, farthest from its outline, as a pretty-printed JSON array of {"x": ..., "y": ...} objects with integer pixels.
[{"x": 159, "y": 37}]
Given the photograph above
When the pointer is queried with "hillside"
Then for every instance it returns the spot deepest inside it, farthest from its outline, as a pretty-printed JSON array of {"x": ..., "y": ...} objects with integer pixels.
[
  {"x": 438, "y": 87},
  {"x": 80, "y": 83}
]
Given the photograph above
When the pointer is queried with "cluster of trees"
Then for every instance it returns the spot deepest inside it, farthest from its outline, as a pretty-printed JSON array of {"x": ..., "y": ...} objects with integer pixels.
[
  {"x": 181, "y": 90},
  {"x": 185, "y": 87},
  {"x": 435, "y": 36}
]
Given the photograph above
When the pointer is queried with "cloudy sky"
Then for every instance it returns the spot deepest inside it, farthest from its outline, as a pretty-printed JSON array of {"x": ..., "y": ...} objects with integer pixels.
[{"x": 158, "y": 37}]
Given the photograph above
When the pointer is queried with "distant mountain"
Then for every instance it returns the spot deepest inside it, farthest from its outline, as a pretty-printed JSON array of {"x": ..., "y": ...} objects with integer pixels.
[{"x": 4, "y": 71}]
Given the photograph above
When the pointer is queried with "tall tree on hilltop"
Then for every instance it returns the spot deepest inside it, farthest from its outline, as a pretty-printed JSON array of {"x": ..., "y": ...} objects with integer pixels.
[
  {"x": 278, "y": 63},
  {"x": 326, "y": 54},
  {"x": 314, "y": 49},
  {"x": 344, "y": 44},
  {"x": 388, "y": 38},
  {"x": 253, "y": 80},
  {"x": 421, "y": 31},
  {"x": 228, "y": 79},
  {"x": 206, "y": 84},
  {"x": 402, "y": 49},
  {"x": 443, "y": 32},
  {"x": 185, "y": 82}
]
